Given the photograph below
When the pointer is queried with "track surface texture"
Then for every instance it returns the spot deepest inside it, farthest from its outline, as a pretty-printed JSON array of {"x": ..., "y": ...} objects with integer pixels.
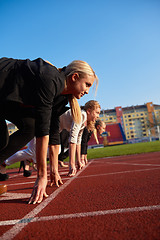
[{"x": 110, "y": 199}]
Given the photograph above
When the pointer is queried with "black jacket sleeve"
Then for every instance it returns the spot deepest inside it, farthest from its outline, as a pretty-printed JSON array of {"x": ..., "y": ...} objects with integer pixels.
[
  {"x": 59, "y": 107},
  {"x": 33, "y": 83},
  {"x": 49, "y": 88}
]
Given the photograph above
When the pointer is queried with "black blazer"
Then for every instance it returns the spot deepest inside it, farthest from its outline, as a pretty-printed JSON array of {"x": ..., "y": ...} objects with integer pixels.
[{"x": 37, "y": 84}]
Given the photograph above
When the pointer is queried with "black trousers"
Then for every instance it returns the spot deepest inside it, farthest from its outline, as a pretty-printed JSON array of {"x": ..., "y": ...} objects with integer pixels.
[
  {"x": 64, "y": 137},
  {"x": 24, "y": 119}
]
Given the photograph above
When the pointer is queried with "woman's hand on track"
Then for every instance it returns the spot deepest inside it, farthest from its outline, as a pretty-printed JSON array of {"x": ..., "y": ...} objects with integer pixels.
[
  {"x": 39, "y": 190},
  {"x": 55, "y": 179}
]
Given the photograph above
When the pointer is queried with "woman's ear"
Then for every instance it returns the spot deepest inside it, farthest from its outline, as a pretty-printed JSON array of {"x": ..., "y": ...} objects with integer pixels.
[
  {"x": 75, "y": 77},
  {"x": 88, "y": 111}
]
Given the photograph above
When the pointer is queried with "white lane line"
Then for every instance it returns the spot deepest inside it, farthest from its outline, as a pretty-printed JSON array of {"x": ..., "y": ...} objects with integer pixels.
[
  {"x": 125, "y": 163},
  {"x": 35, "y": 175},
  {"x": 8, "y": 222},
  {"x": 64, "y": 173},
  {"x": 11, "y": 233},
  {"x": 17, "y": 175},
  {"x": 137, "y": 164},
  {"x": 130, "y": 158},
  {"x": 11, "y": 196},
  {"x": 123, "y": 172},
  {"x": 24, "y": 183},
  {"x": 21, "y": 183},
  {"x": 79, "y": 215}
]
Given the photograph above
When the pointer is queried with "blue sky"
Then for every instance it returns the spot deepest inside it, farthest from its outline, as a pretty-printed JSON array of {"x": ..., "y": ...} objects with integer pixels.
[{"x": 120, "y": 39}]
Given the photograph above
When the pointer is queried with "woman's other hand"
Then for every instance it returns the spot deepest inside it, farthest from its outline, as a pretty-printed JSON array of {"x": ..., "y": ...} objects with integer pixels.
[
  {"x": 55, "y": 179},
  {"x": 39, "y": 190}
]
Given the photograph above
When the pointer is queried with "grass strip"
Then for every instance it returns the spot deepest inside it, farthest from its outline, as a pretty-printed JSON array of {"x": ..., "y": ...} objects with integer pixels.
[{"x": 125, "y": 149}]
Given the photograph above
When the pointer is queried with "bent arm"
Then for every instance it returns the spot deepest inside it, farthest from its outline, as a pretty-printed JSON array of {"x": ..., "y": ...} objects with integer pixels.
[
  {"x": 78, "y": 154},
  {"x": 72, "y": 154},
  {"x": 53, "y": 158}
]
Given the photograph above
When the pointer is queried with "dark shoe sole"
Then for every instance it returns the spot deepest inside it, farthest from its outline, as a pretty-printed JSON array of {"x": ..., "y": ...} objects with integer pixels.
[
  {"x": 3, "y": 177},
  {"x": 27, "y": 173}
]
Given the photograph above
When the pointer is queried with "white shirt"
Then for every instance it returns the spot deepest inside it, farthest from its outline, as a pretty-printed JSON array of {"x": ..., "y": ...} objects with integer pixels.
[{"x": 76, "y": 130}]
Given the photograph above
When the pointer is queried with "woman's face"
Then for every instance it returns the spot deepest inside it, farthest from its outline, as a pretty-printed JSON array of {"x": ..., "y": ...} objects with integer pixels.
[
  {"x": 93, "y": 115},
  {"x": 101, "y": 129},
  {"x": 81, "y": 85}
]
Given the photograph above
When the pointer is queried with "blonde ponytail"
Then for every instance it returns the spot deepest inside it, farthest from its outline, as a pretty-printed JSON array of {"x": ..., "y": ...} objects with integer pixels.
[
  {"x": 75, "y": 109},
  {"x": 95, "y": 135}
]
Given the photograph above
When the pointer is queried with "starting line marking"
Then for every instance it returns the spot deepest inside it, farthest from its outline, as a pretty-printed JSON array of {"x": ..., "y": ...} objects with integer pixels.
[
  {"x": 125, "y": 163},
  {"x": 123, "y": 172},
  {"x": 79, "y": 215},
  {"x": 11, "y": 196}
]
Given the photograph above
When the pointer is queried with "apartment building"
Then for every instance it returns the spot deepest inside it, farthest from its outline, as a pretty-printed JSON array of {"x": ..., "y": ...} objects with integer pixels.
[{"x": 138, "y": 121}]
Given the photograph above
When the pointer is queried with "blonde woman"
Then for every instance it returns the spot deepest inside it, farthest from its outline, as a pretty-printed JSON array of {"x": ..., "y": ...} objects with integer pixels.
[
  {"x": 31, "y": 94},
  {"x": 89, "y": 113}
]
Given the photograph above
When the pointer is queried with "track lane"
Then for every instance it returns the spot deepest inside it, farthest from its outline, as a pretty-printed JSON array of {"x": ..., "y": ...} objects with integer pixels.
[{"x": 128, "y": 201}]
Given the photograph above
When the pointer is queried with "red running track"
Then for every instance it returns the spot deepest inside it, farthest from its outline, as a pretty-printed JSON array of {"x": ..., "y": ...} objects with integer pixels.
[{"x": 111, "y": 198}]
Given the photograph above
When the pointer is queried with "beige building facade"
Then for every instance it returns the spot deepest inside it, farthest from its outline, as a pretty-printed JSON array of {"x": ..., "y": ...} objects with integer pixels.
[{"x": 138, "y": 121}]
